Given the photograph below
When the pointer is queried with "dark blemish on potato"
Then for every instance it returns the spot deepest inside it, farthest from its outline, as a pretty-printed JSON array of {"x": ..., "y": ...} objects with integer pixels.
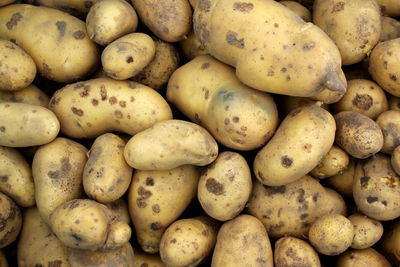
[
  {"x": 364, "y": 181},
  {"x": 315, "y": 197},
  {"x": 2, "y": 129},
  {"x": 144, "y": 195},
  {"x": 372, "y": 199},
  {"x": 232, "y": 39},
  {"x": 103, "y": 92},
  {"x": 118, "y": 114},
  {"x": 206, "y": 93},
  {"x": 243, "y": 7},
  {"x": 339, "y": 6},
  {"x": 385, "y": 64},
  {"x": 393, "y": 77},
  {"x": 204, "y": 5},
  {"x": 276, "y": 25},
  {"x": 308, "y": 46},
  {"x": 76, "y": 237},
  {"x": 132, "y": 85},
  {"x": 261, "y": 261},
  {"x": 132, "y": 99},
  {"x": 3, "y": 178},
  {"x": 155, "y": 226},
  {"x": 112, "y": 100},
  {"x": 389, "y": 53},
  {"x": 144, "y": 265},
  {"x": 129, "y": 59},
  {"x": 79, "y": 35},
  {"x": 288, "y": 78},
  {"x": 85, "y": 91},
  {"x": 276, "y": 190},
  {"x": 301, "y": 197},
  {"x": 95, "y": 102},
  {"x": 363, "y": 101},
  {"x": 197, "y": 117},
  {"x": 276, "y": 227},
  {"x": 303, "y": 216},
  {"x": 283, "y": 70},
  {"x": 46, "y": 68},
  {"x": 270, "y": 73},
  {"x": 286, "y": 161},
  {"x": 149, "y": 181},
  {"x": 53, "y": 174},
  {"x": 61, "y": 27},
  {"x": 214, "y": 187},
  {"x": 77, "y": 111},
  {"x": 15, "y": 18},
  {"x": 122, "y": 104},
  {"x": 156, "y": 208},
  {"x": 56, "y": 263},
  {"x": 173, "y": 241},
  {"x": 226, "y": 121},
  {"x": 205, "y": 66}
]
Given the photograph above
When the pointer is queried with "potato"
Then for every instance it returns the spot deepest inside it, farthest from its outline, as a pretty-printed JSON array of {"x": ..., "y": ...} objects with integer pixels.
[
  {"x": 376, "y": 188},
  {"x": 106, "y": 175},
  {"x": 57, "y": 171},
  {"x": 361, "y": 258},
  {"x": 17, "y": 68},
  {"x": 366, "y": 231},
  {"x": 16, "y": 177},
  {"x": 37, "y": 245},
  {"x": 156, "y": 74},
  {"x": 157, "y": 198},
  {"x": 354, "y": 26},
  {"x": 237, "y": 116},
  {"x": 26, "y": 125},
  {"x": 128, "y": 55},
  {"x": 88, "y": 225},
  {"x": 389, "y": 122},
  {"x": 395, "y": 160},
  {"x": 391, "y": 243},
  {"x": 331, "y": 234},
  {"x": 291, "y": 251},
  {"x": 187, "y": 242},
  {"x": 170, "y": 144},
  {"x": 76, "y": 8},
  {"x": 191, "y": 47},
  {"x": 384, "y": 66},
  {"x": 242, "y": 241},
  {"x": 288, "y": 209},
  {"x": 11, "y": 221},
  {"x": 389, "y": 7},
  {"x": 225, "y": 186},
  {"x": 302, "y": 60},
  {"x": 333, "y": 203},
  {"x": 169, "y": 20},
  {"x": 91, "y": 108},
  {"x": 363, "y": 96},
  {"x": 297, "y": 8},
  {"x": 335, "y": 162},
  {"x": 3, "y": 259},
  {"x": 29, "y": 95},
  {"x": 303, "y": 138},
  {"x": 108, "y": 20},
  {"x": 120, "y": 209},
  {"x": 357, "y": 134},
  {"x": 150, "y": 260},
  {"x": 328, "y": 96},
  {"x": 57, "y": 41},
  {"x": 343, "y": 182},
  {"x": 289, "y": 103},
  {"x": 390, "y": 29}
]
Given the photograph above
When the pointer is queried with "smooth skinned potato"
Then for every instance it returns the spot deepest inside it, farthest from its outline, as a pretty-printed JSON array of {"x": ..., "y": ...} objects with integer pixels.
[
  {"x": 291, "y": 251},
  {"x": 335, "y": 162},
  {"x": 389, "y": 122},
  {"x": 11, "y": 220},
  {"x": 361, "y": 258},
  {"x": 29, "y": 95},
  {"x": 366, "y": 231},
  {"x": 390, "y": 29},
  {"x": 297, "y": 8}
]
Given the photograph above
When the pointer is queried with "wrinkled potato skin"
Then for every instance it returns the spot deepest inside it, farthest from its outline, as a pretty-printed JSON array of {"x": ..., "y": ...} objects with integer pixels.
[
  {"x": 169, "y": 20},
  {"x": 391, "y": 243},
  {"x": 354, "y": 25},
  {"x": 376, "y": 188},
  {"x": 17, "y": 69},
  {"x": 57, "y": 171},
  {"x": 395, "y": 160},
  {"x": 343, "y": 182},
  {"x": 389, "y": 7},
  {"x": 3, "y": 259},
  {"x": 29, "y": 95},
  {"x": 366, "y": 231},
  {"x": 108, "y": 20},
  {"x": 297, "y": 8},
  {"x": 11, "y": 221},
  {"x": 296, "y": 148},
  {"x": 57, "y": 41},
  {"x": 38, "y": 245},
  {"x": 106, "y": 175},
  {"x": 26, "y": 125},
  {"x": 191, "y": 47},
  {"x": 78, "y": 8},
  {"x": 128, "y": 55},
  {"x": 170, "y": 144},
  {"x": 237, "y": 116},
  {"x": 225, "y": 186},
  {"x": 153, "y": 202},
  {"x": 242, "y": 241},
  {"x": 291, "y": 251},
  {"x": 109, "y": 105},
  {"x": 333, "y": 163},
  {"x": 120, "y": 210},
  {"x": 152, "y": 260},
  {"x": 362, "y": 257},
  {"x": 16, "y": 177},
  {"x": 389, "y": 122},
  {"x": 390, "y": 29}
]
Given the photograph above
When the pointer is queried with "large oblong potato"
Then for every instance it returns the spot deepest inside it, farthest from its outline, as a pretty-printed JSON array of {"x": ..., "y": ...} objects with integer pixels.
[
  {"x": 292, "y": 251},
  {"x": 389, "y": 122},
  {"x": 29, "y": 95},
  {"x": 170, "y": 144},
  {"x": 11, "y": 220},
  {"x": 91, "y": 108}
]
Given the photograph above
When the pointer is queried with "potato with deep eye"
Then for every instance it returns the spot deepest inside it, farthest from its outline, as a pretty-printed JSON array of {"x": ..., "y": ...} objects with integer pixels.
[{"x": 366, "y": 231}]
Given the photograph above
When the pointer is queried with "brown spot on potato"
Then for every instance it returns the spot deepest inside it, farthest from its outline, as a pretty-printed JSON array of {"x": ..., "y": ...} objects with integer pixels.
[
  {"x": 76, "y": 237},
  {"x": 243, "y": 7},
  {"x": 129, "y": 59},
  {"x": 205, "y": 66},
  {"x": 155, "y": 226},
  {"x": 371, "y": 199},
  {"x": 204, "y": 5},
  {"x": 276, "y": 227},
  {"x": 118, "y": 114},
  {"x": 363, "y": 101},
  {"x": 112, "y": 100},
  {"x": 339, "y": 6},
  {"x": 232, "y": 39},
  {"x": 149, "y": 181},
  {"x": 173, "y": 241},
  {"x": 286, "y": 161},
  {"x": 364, "y": 181},
  {"x": 56, "y": 263},
  {"x": 214, "y": 187},
  {"x": 3, "y": 178},
  {"x": 393, "y": 77},
  {"x": 301, "y": 197},
  {"x": 144, "y": 195},
  {"x": 132, "y": 99},
  {"x": 46, "y": 68},
  {"x": 85, "y": 91},
  {"x": 197, "y": 117},
  {"x": 61, "y": 27},
  {"x": 95, "y": 102},
  {"x": 15, "y": 18},
  {"x": 283, "y": 70},
  {"x": 303, "y": 216},
  {"x": 2, "y": 129},
  {"x": 308, "y": 46},
  {"x": 144, "y": 265},
  {"x": 73, "y": 204},
  {"x": 156, "y": 208},
  {"x": 385, "y": 64},
  {"x": 77, "y": 111},
  {"x": 79, "y": 35},
  {"x": 122, "y": 104},
  {"x": 276, "y": 190}
]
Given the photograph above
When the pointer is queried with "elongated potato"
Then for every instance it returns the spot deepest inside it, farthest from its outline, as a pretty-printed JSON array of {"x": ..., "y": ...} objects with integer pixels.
[
  {"x": 390, "y": 29},
  {"x": 77, "y": 8},
  {"x": 291, "y": 251},
  {"x": 57, "y": 41},
  {"x": 24, "y": 125},
  {"x": 391, "y": 243},
  {"x": 303, "y": 138},
  {"x": 29, "y": 95},
  {"x": 11, "y": 220},
  {"x": 389, "y": 122},
  {"x": 335, "y": 162},
  {"x": 89, "y": 109},
  {"x": 361, "y": 258},
  {"x": 366, "y": 231}
]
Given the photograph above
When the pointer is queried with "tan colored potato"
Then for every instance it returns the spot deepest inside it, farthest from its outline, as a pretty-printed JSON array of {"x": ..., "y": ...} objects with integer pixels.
[
  {"x": 26, "y": 125},
  {"x": 128, "y": 55},
  {"x": 106, "y": 175},
  {"x": 343, "y": 182},
  {"x": 29, "y": 95},
  {"x": 16, "y": 177},
  {"x": 157, "y": 198},
  {"x": 242, "y": 241},
  {"x": 37, "y": 245},
  {"x": 89, "y": 109},
  {"x": 291, "y": 251},
  {"x": 361, "y": 258},
  {"x": 191, "y": 47},
  {"x": 395, "y": 160},
  {"x": 3, "y": 259},
  {"x": 389, "y": 7},
  {"x": 289, "y": 103},
  {"x": 120, "y": 209},
  {"x": 57, "y": 171},
  {"x": 108, "y": 20},
  {"x": 333, "y": 203},
  {"x": 391, "y": 243},
  {"x": 303, "y": 138},
  {"x": 225, "y": 186},
  {"x": 335, "y": 162},
  {"x": 389, "y": 122},
  {"x": 390, "y": 29},
  {"x": 78, "y": 8},
  {"x": 366, "y": 231},
  {"x": 170, "y": 144},
  {"x": 57, "y": 41},
  {"x": 11, "y": 221},
  {"x": 297, "y": 8},
  {"x": 17, "y": 68},
  {"x": 152, "y": 260}
]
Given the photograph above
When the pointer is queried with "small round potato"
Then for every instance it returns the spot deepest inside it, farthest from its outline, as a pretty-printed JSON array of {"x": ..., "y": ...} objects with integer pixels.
[
  {"x": 343, "y": 182},
  {"x": 108, "y": 20},
  {"x": 391, "y": 243},
  {"x": 11, "y": 220},
  {"x": 191, "y": 47},
  {"x": 390, "y": 29},
  {"x": 389, "y": 121},
  {"x": 299, "y": 9},
  {"x": 128, "y": 55},
  {"x": 362, "y": 258},
  {"x": 29, "y": 95},
  {"x": 366, "y": 231},
  {"x": 292, "y": 251},
  {"x": 331, "y": 234},
  {"x": 390, "y": 7},
  {"x": 395, "y": 160},
  {"x": 143, "y": 259},
  {"x": 335, "y": 162}
]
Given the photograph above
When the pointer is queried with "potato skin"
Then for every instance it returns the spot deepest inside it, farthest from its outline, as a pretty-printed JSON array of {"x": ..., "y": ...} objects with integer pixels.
[
  {"x": 26, "y": 125},
  {"x": 391, "y": 243},
  {"x": 333, "y": 203},
  {"x": 389, "y": 122},
  {"x": 29, "y": 95},
  {"x": 76, "y": 8},
  {"x": 390, "y": 29},
  {"x": 389, "y": 7},
  {"x": 395, "y": 160},
  {"x": 152, "y": 260},
  {"x": 292, "y": 251},
  {"x": 91, "y": 108},
  {"x": 120, "y": 209},
  {"x": 6, "y": 2},
  {"x": 333, "y": 163},
  {"x": 297, "y": 146},
  {"x": 11, "y": 220},
  {"x": 366, "y": 231},
  {"x": 362, "y": 257},
  {"x": 242, "y": 241},
  {"x": 297, "y": 8},
  {"x": 57, "y": 49},
  {"x": 191, "y": 47},
  {"x": 343, "y": 182}
]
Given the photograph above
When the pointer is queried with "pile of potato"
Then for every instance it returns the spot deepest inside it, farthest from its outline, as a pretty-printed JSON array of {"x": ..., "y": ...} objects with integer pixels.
[{"x": 199, "y": 133}]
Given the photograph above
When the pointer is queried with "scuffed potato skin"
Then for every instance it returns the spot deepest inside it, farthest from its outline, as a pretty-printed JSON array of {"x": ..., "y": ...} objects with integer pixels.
[
  {"x": 11, "y": 221},
  {"x": 292, "y": 251}
]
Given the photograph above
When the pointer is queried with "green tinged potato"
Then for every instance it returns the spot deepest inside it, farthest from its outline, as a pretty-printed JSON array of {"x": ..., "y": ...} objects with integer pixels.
[
  {"x": 390, "y": 29},
  {"x": 391, "y": 243},
  {"x": 336, "y": 161},
  {"x": 29, "y": 95},
  {"x": 366, "y": 231},
  {"x": 361, "y": 258},
  {"x": 11, "y": 220},
  {"x": 389, "y": 122},
  {"x": 150, "y": 260},
  {"x": 291, "y": 251}
]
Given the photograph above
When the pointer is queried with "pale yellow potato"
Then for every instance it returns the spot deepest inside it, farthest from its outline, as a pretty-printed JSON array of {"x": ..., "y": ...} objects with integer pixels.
[
  {"x": 335, "y": 162},
  {"x": 389, "y": 122},
  {"x": 17, "y": 68},
  {"x": 288, "y": 103},
  {"x": 29, "y": 95},
  {"x": 11, "y": 220},
  {"x": 343, "y": 182},
  {"x": 389, "y": 7},
  {"x": 328, "y": 96},
  {"x": 91, "y": 108},
  {"x": 191, "y": 47},
  {"x": 299, "y": 9},
  {"x": 391, "y": 243},
  {"x": 170, "y": 144},
  {"x": 390, "y": 29},
  {"x": 169, "y": 20},
  {"x": 78, "y": 8},
  {"x": 157, "y": 198},
  {"x": 142, "y": 258},
  {"x": 57, "y": 170},
  {"x": 292, "y": 251},
  {"x": 225, "y": 186},
  {"x": 26, "y": 125},
  {"x": 395, "y": 160},
  {"x": 3, "y": 259},
  {"x": 366, "y": 231},
  {"x": 16, "y": 179},
  {"x": 242, "y": 241},
  {"x": 362, "y": 258},
  {"x": 333, "y": 203},
  {"x": 300, "y": 61},
  {"x": 37, "y": 245},
  {"x": 120, "y": 209},
  {"x": 108, "y": 20},
  {"x": 303, "y": 138},
  {"x": 57, "y": 41}
]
